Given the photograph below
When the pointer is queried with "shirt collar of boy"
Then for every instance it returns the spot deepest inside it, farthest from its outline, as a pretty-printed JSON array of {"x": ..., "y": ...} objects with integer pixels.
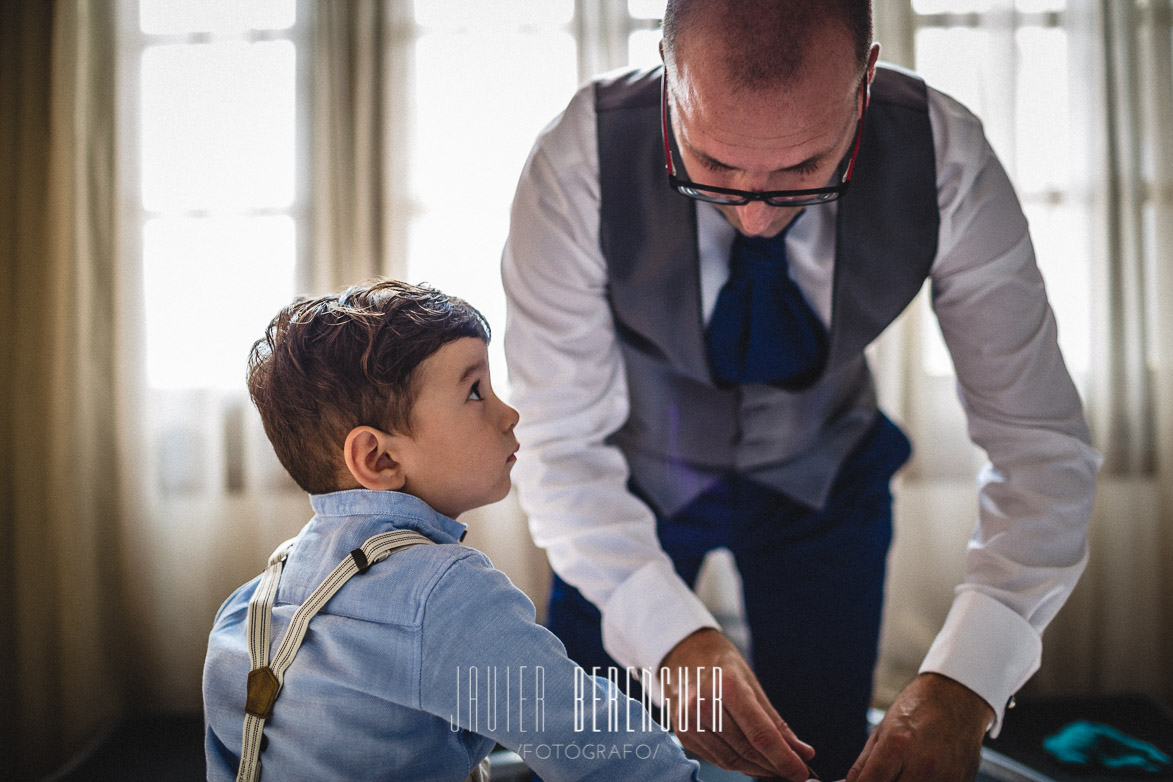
[{"x": 394, "y": 509}]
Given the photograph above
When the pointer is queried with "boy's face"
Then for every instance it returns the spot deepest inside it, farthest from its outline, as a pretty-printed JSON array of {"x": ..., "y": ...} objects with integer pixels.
[{"x": 461, "y": 448}]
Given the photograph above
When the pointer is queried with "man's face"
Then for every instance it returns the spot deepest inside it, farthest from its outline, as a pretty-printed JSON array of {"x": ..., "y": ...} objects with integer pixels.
[
  {"x": 461, "y": 447},
  {"x": 790, "y": 138}
]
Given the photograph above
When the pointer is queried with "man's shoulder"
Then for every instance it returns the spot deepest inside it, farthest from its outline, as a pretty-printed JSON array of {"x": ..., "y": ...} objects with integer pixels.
[
  {"x": 627, "y": 88},
  {"x": 900, "y": 87}
]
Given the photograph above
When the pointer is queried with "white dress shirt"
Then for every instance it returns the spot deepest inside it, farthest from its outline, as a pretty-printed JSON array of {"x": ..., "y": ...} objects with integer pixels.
[{"x": 568, "y": 381}]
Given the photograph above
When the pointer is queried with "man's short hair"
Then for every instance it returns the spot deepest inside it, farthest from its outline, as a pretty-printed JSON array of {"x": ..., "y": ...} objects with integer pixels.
[
  {"x": 769, "y": 39},
  {"x": 329, "y": 364}
]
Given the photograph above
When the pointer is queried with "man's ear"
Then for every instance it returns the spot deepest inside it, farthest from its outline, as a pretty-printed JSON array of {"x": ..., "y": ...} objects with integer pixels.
[
  {"x": 873, "y": 58},
  {"x": 370, "y": 456}
]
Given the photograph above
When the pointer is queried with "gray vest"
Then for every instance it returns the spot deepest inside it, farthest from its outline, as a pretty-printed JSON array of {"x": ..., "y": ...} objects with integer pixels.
[{"x": 683, "y": 433}]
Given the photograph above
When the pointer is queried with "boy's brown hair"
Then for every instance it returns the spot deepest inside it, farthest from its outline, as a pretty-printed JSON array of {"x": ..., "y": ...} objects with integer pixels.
[{"x": 329, "y": 364}]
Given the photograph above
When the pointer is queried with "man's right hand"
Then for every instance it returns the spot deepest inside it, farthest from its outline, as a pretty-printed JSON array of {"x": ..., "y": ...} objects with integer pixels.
[{"x": 753, "y": 740}]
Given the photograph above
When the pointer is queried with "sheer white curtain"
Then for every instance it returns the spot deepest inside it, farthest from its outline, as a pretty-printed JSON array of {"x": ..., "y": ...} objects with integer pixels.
[
  {"x": 1117, "y": 635},
  {"x": 1101, "y": 224}
]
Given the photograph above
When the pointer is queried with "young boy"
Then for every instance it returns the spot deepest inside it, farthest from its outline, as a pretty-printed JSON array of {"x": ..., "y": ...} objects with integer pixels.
[{"x": 378, "y": 403}]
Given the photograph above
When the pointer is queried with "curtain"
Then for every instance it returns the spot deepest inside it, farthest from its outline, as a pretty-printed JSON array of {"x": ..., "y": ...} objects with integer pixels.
[
  {"x": 1116, "y": 632},
  {"x": 1160, "y": 120},
  {"x": 353, "y": 74},
  {"x": 61, "y": 509}
]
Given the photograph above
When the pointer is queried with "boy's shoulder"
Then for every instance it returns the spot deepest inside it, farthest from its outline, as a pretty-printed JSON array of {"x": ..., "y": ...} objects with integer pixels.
[
  {"x": 451, "y": 583},
  {"x": 395, "y": 590}
]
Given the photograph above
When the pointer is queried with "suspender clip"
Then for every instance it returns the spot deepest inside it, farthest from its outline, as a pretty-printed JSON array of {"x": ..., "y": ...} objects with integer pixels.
[{"x": 360, "y": 560}]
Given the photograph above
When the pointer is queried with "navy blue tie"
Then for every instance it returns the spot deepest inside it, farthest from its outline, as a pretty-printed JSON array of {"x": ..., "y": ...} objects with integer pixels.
[{"x": 762, "y": 330}]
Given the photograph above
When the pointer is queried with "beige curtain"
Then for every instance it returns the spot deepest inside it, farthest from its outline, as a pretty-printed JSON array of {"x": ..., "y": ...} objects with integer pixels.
[
  {"x": 1116, "y": 632},
  {"x": 60, "y": 510},
  {"x": 354, "y": 130}
]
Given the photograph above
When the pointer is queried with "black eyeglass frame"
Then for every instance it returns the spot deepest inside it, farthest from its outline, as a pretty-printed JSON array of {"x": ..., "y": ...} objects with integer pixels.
[{"x": 793, "y": 198}]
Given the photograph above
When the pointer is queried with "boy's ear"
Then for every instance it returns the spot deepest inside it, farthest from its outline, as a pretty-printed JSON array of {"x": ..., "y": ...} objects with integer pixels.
[{"x": 370, "y": 458}]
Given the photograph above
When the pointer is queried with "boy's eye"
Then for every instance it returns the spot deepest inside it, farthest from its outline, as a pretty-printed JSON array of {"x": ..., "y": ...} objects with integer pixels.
[{"x": 474, "y": 393}]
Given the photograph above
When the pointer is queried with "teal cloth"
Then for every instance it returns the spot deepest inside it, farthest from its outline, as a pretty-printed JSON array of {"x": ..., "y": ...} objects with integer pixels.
[{"x": 1094, "y": 745}]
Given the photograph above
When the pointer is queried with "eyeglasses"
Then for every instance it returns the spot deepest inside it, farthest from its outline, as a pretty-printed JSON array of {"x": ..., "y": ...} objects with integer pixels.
[{"x": 730, "y": 197}]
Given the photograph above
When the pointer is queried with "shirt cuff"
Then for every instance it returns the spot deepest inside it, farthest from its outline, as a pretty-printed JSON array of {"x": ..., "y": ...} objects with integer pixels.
[
  {"x": 988, "y": 647},
  {"x": 649, "y": 613}
]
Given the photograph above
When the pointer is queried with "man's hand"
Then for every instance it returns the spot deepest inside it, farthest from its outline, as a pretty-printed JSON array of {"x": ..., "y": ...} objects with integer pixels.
[
  {"x": 753, "y": 739},
  {"x": 932, "y": 733}
]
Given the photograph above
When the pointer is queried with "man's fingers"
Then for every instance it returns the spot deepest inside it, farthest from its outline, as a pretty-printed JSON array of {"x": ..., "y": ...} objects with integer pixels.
[
  {"x": 713, "y": 748},
  {"x": 730, "y": 748},
  {"x": 881, "y": 761},
  {"x": 752, "y": 739},
  {"x": 766, "y": 734},
  {"x": 752, "y": 732},
  {"x": 862, "y": 761}
]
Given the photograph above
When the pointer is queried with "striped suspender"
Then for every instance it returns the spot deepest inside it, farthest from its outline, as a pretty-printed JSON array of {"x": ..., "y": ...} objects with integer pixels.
[{"x": 265, "y": 678}]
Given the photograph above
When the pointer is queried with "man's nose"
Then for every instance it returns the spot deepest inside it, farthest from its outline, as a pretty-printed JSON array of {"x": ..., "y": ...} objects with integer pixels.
[{"x": 755, "y": 217}]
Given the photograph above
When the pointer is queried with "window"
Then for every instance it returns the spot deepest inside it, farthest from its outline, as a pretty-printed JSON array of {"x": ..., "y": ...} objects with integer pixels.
[
  {"x": 215, "y": 211},
  {"x": 1017, "y": 76},
  {"x": 473, "y": 127},
  {"x": 218, "y": 205},
  {"x": 215, "y": 150},
  {"x": 219, "y": 210}
]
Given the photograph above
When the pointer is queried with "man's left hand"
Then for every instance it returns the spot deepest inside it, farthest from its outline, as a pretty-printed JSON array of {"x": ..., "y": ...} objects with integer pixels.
[{"x": 932, "y": 733}]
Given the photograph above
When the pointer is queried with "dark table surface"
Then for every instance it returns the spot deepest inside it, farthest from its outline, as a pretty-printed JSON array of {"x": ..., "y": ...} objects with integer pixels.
[{"x": 1032, "y": 720}]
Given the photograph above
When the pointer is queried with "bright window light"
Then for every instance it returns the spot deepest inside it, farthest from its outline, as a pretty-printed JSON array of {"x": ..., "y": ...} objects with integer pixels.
[
  {"x": 951, "y": 6},
  {"x": 218, "y": 125},
  {"x": 643, "y": 48},
  {"x": 1018, "y": 82},
  {"x": 481, "y": 15},
  {"x": 646, "y": 9},
  {"x": 474, "y": 126},
  {"x": 217, "y": 111},
  {"x": 472, "y": 131},
  {"x": 223, "y": 17},
  {"x": 964, "y": 78},
  {"x": 211, "y": 286},
  {"x": 1042, "y": 113}
]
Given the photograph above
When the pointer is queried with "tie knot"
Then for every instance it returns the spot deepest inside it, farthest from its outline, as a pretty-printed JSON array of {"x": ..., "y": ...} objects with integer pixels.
[{"x": 759, "y": 257}]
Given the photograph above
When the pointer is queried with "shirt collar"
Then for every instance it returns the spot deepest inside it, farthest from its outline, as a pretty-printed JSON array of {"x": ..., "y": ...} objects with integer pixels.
[{"x": 393, "y": 508}]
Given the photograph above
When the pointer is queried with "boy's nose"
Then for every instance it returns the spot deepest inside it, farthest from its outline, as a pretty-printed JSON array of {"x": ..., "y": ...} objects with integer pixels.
[{"x": 509, "y": 417}]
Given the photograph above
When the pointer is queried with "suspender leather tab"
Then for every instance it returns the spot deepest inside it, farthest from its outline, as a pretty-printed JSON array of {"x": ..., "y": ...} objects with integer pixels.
[
  {"x": 263, "y": 689},
  {"x": 360, "y": 560}
]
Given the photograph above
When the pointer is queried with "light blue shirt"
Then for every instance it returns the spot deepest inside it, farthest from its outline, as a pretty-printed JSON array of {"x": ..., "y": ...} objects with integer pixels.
[{"x": 431, "y": 636}]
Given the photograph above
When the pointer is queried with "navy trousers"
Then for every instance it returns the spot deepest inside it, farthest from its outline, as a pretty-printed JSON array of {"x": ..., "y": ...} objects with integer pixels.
[{"x": 813, "y": 584}]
